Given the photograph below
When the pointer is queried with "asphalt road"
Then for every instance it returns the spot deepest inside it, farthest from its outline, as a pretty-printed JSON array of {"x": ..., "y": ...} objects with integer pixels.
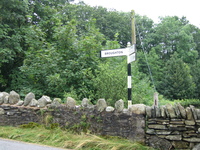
[{"x": 16, "y": 145}]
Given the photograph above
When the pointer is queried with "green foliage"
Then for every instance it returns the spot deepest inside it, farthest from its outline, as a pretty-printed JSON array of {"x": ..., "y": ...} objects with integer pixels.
[
  {"x": 144, "y": 30},
  {"x": 195, "y": 72},
  {"x": 72, "y": 94},
  {"x": 164, "y": 101},
  {"x": 42, "y": 112},
  {"x": 178, "y": 82},
  {"x": 109, "y": 22},
  {"x": 53, "y": 126},
  {"x": 52, "y": 47},
  {"x": 187, "y": 102},
  {"x": 142, "y": 90},
  {"x": 48, "y": 120},
  {"x": 70, "y": 64},
  {"x": 30, "y": 125},
  {"x": 172, "y": 35},
  {"x": 111, "y": 83},
  {"x": 99, "y": 119}
]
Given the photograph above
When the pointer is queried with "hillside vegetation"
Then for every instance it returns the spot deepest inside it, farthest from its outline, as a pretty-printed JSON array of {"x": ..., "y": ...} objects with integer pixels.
[{"x": 52, "y": 48}]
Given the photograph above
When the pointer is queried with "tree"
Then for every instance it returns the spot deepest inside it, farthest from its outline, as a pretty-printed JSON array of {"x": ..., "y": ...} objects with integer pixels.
[
  {"x": 195, "y": 31},
  {"x": 12, "y": 24},
  {"x": 173, "y": 35},
  {"x": 144, "y": 30},
  {"x": 177, "y": 82},
  {"x": 195, "y": 72},
  {"x": 109, "y": 22},
  {"x": 152, "y": 66},
  {"x": 67, "y": 64}
]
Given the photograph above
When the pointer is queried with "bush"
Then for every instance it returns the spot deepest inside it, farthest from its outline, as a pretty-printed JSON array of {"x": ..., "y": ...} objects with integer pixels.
[
  {"x": 188, "y": 102},
  {"x": 111, "y": 82}
]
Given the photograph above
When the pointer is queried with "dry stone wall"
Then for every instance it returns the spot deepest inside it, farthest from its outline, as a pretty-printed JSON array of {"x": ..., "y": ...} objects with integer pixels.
[
  {"x": 173, "y": 127},
  {"x": 165, "y": 127},
  {"x": 99, "y": 119}
]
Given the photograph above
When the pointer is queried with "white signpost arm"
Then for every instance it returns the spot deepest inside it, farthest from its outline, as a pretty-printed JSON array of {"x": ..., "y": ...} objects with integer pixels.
[{"x": 114, "y": 52}]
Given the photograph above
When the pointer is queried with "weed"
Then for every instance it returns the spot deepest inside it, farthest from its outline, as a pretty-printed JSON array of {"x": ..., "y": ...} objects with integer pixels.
[
  {"x": 75, "y": 113},
  {"x": 42, "y": 111},
  {"x": 48, "y": 120},
  {"x": 99, "y": 120},
  {"x": 54, "y": 126},
  {"x": 83, "y": 117},
  {"x": 92, "y": 116},
  {"x": 30, "y": 125}
]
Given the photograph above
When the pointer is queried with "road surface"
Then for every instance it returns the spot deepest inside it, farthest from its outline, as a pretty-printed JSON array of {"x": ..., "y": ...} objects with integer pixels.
[{"x": 16, "y": 145}]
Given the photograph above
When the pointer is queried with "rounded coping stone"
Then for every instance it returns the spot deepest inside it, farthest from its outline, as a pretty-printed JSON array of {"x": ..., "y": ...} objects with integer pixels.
[
  {"x": 110, "y": 109},
  {"x": 119, "y": 105},
  {"x": 138, "y": 109},
  {"x": 101, "y": 105},
  {"x": 71, "y": 103}
]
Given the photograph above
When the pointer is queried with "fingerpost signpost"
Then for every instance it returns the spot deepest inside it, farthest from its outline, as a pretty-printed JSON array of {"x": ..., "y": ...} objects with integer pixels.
[{"x": 130, "y": 52}]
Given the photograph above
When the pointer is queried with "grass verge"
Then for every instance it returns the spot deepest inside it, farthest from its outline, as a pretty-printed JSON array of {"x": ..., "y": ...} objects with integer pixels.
[{"x": 66, "y": 139}]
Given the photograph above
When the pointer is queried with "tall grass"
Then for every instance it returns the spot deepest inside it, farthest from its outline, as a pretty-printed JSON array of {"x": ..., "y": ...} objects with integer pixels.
[{"x": 66, "y": 139}]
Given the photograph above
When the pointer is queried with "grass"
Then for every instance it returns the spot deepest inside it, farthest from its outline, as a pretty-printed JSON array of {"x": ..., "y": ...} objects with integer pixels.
[{"x": 66, "y": 139}]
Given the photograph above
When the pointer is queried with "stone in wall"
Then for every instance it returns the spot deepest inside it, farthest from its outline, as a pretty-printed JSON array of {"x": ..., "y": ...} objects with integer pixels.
[
  {"x": 70, "y": 103},
  {"x": 192, "y": 139},
  {"x": 6, "y": 99},
  {"x": 1, "y": 111},
  {"x": 159, "y": 143},
  {"x": 177, "y": 111},
  {"x": 163, "y": 111},
  {"x": 20, "y": 103},
  {"x": 174, "y": 137},
  {"x": 119, "y": 105},
  {"x": 148, "y": 111},
  {"x": 13, "y": 98},
  {"x": 110, "y": 109},
  {"x": 158, "y": 112},
  {"x": 85, "y": 103},
  {"x": 153, "y": 112},
  {"x": 182, "y": 111},
  {"x": 56, "y": 103},
  {"x": 101, "y": 105},
  {"x": 43, "y": 101},
  {"x": 157, "y": 126},
  {"x": 198, "y": 113},
  {"x": 28, "y": 98},
  {"x": 2, "y": 97},
  {"x": 189, "y": 114},
  {"x": 33, "y": 103},
  {"x": 138, "y": 109},
  {"x": 171, "y": 111},
  {"x": 196, "y": 147},
  {"x": 192, "y": 108},
  {"x": 180, "y": 144}
]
